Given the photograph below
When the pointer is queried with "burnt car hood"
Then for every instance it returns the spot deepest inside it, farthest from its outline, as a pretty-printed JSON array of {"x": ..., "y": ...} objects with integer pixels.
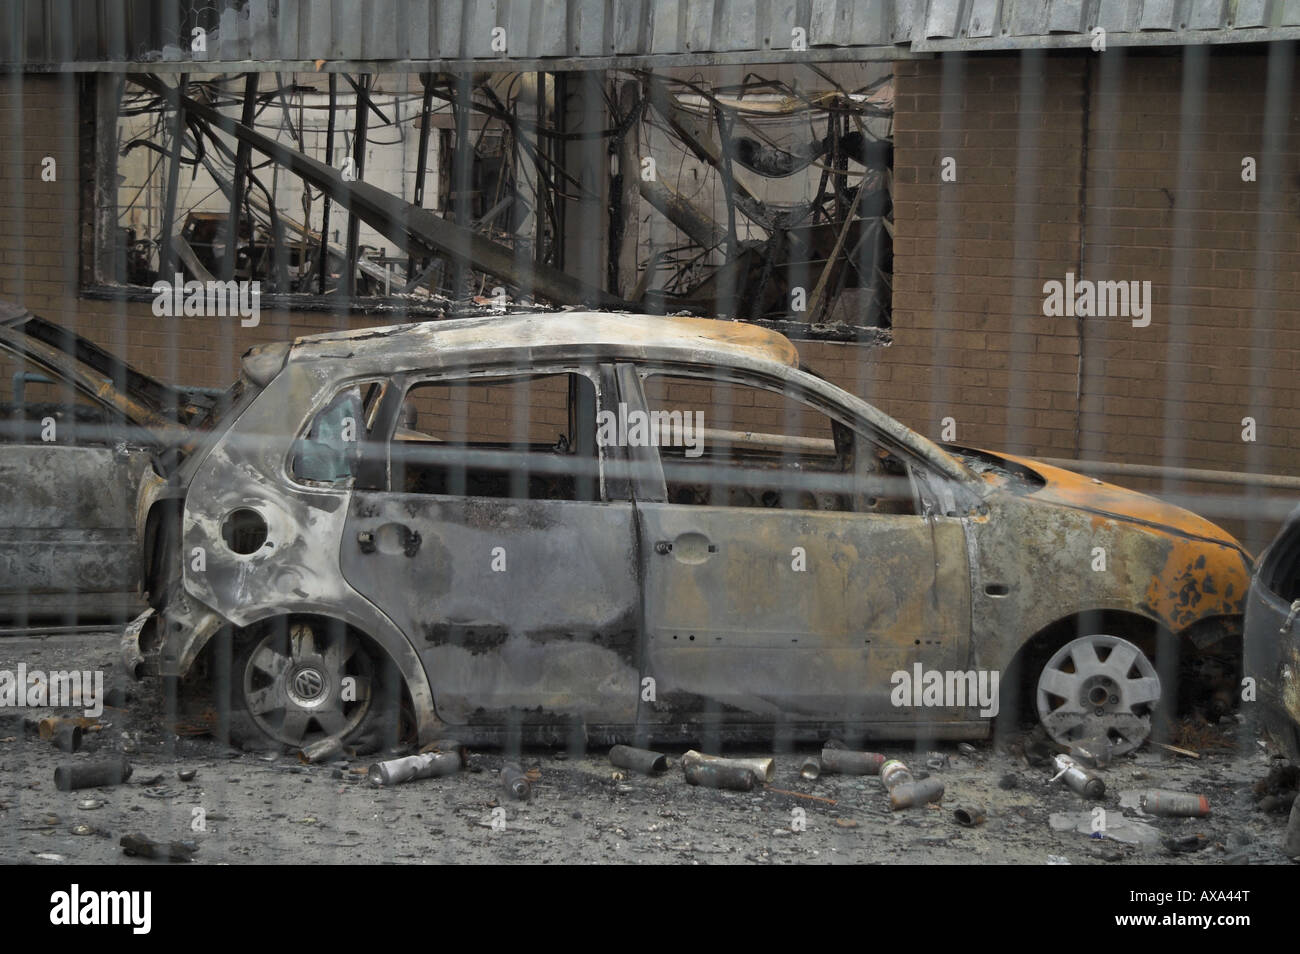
[
  {"x": 165, "y": 411},
  {"x": 1066, "y": 488}
]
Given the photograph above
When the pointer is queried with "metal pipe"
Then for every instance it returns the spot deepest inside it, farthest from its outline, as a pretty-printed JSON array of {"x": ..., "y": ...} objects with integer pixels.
[
  {"x": 242, "y": 159},
  {"x": 166, "y": 254},
  {"x": 422, "y": 155},
  {"x": 639, "y": 760},
  {"x": 811, "y": 768},
  {"x": 325, "y": 212},
  {"x": 358, "y": 163},
  {"x": 20, "y": 381},
  {"x": 1190, "y": 474}
]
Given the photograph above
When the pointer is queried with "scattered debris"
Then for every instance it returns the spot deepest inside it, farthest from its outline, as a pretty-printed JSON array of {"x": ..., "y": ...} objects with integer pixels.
[
  {"x": 847, "y": 762},
  {"x": 969, "y": 816},
  {"x": 75, "y": 775},
  {"x": 1276, "y": 792},
  {"x": 811, "y": 768},
  {"x": 515, "y": 783},
  {"x": 1184, "y": 844},
  {"x": 187, "y": 775},
  {"x": 325, "y": 750},
  {"x": 911, "y": 794},
  {"x": 1173, "y": 804},
  {"x": 68, "y": 738},
  {"x": 639, "y": 760},
  {"x": 813, "y": 798},
  {"x": 712, "y": 771},
  {"x": 1076, "y": 778},
  {"x": 447, "y": 760},
  {"x": 1127, "y": 831},
  {"x": 762, "y": 768},
  {"x": 49, "y": 729},
  {"x": 1009, "y": 781},
  {"x": 1095, "y": 751},
  {"x": 1176, "y": 750},
  {"x": 141, "y": 846},
  {"x": 1291, "y": 844},
  {"x": 893, "y": 773}
]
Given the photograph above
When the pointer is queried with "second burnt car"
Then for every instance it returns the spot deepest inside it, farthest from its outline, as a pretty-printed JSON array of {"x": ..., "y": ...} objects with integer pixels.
[
  {"x": 78, "y": 432},
  {"x": 1272, "y": 640},
  {"x": 619, "y": 527}
]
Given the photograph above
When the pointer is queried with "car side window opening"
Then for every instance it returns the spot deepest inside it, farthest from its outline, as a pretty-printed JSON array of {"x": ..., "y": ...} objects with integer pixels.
[
  {"x": 521, "y": 436},
  {"x": 734, "y": 444},
  {"x": 331, "y": 448}
]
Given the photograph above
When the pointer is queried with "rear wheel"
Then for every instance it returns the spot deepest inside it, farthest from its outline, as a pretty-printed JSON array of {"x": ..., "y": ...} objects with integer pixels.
[
  {"x": 302, "y": 680},
  {"x": 1098, "y": 686}
]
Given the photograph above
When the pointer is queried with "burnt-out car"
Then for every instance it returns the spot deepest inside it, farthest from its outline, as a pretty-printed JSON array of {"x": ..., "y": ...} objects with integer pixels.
[
  {"x": 1273, "y": 638},
  {"x": 78, "y": 432},
  {"x": 606, "y": 526}
]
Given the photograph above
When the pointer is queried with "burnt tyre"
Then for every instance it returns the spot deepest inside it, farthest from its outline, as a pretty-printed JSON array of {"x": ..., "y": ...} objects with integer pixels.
[
  {"x": 1098, "y": 687},
  {"x": 299, "y": 681}
]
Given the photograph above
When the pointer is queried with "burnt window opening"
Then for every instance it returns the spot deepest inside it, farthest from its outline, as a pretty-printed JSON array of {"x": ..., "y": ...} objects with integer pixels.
[
  {"x": 527, "y": 436},
  {"x": 729, "y": 444},
  {"x": 330, "y": 451}
]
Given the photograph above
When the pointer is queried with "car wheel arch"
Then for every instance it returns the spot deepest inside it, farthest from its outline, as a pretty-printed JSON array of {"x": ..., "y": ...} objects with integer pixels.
[{"x": 376, "y": 630}]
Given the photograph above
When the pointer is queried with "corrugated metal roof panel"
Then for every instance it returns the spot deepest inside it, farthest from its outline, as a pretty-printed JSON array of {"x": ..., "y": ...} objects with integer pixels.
[{"x": 286, "y": 34}]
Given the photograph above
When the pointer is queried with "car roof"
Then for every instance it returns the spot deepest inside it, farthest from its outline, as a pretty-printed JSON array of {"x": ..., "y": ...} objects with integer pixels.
[{"x": 533, "y": 336}]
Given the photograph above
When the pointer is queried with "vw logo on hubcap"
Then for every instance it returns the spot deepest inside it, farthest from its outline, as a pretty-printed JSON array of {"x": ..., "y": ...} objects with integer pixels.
[{"x": 308, "y": 684}]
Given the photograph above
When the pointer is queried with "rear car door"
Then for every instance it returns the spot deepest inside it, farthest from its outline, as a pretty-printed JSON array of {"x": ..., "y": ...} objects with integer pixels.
[
  {"x": 789, "y": 566},
  {"x": 485, "y": 530}
]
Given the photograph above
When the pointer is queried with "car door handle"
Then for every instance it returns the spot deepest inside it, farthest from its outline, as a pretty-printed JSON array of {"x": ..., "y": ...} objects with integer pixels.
[{"x": 688, "y": 547}]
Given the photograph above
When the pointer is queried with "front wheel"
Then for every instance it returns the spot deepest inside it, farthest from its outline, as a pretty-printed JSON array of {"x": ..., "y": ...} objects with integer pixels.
[{"x": 1098, "y": 687}]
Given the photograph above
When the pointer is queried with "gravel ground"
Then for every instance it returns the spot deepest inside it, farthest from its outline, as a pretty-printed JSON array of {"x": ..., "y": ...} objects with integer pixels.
[{"x": 248, "y": 807}]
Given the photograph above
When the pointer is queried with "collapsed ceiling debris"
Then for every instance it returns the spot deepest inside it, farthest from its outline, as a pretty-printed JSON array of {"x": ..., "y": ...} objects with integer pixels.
[{"x": 775, "y": 200}]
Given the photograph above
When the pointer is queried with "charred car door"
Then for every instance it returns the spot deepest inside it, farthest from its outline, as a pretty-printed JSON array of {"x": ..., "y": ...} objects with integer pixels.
[
  {"x": 787, "y": 574},
  {"x": 485, "y": 530}
]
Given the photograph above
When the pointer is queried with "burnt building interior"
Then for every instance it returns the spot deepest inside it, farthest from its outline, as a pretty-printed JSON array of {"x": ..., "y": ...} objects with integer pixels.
[{"x": 765, "y": 199}]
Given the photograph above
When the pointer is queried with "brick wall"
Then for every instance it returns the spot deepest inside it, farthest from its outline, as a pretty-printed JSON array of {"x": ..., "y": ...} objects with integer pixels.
[{"x": 1119, "y": 166}]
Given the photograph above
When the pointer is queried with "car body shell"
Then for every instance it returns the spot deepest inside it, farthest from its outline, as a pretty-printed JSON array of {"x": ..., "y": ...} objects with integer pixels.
[
  {"x": 602, "y": 596},
  {"x": 1272, "y": 639}
]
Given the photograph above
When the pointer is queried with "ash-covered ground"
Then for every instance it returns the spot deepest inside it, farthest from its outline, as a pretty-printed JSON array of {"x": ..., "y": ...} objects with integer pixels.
[{"x": 242, "y": 807}]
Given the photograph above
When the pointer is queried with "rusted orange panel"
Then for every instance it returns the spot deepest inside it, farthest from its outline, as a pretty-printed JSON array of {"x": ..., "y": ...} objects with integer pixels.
[
  {"x": 1077, "y": 490},
  {"x": 1198, "y": 582}
]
